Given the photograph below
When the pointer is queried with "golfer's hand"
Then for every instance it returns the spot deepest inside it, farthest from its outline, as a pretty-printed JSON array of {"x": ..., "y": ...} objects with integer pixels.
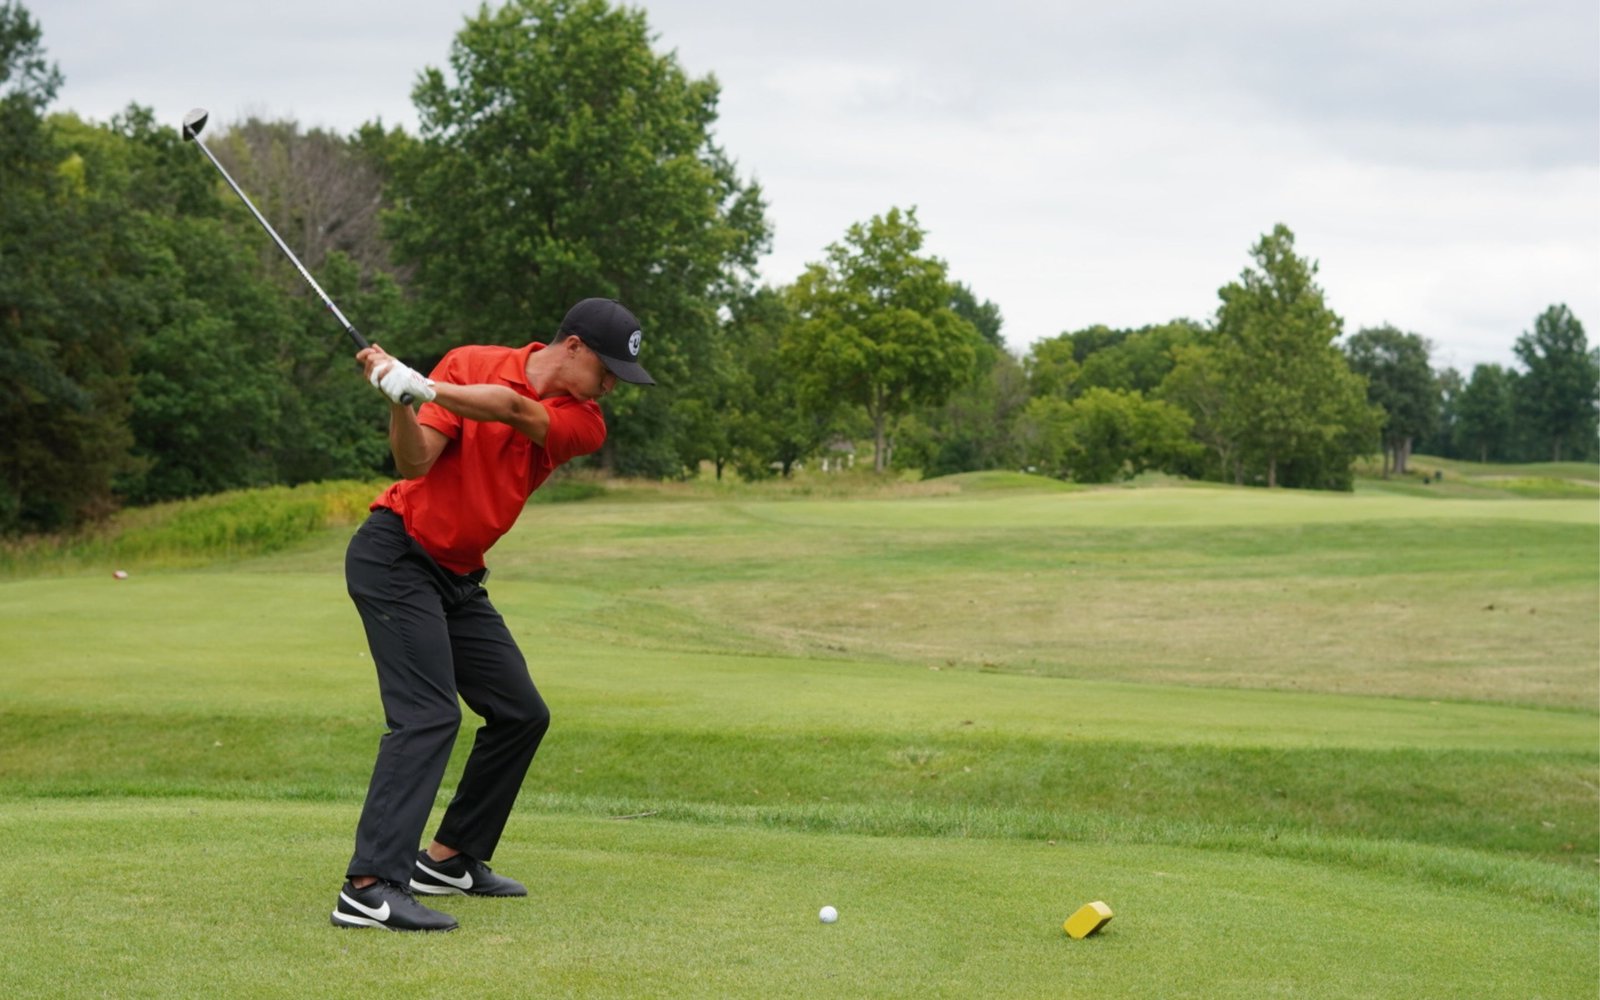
[
  {"x": 401, "y": 383},
  {"x": 372, "y": 358}
]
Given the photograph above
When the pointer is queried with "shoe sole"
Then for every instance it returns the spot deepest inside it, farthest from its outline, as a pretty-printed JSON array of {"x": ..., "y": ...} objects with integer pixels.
[
  {"x": 450, "y": 890},
  {"x": 346, "y": 921}
]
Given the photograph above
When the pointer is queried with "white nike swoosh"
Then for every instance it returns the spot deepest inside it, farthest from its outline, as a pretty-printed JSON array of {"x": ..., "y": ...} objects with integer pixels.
[
  {"x": 380, "y": 914},
  {"x": 464, "y": 882}
]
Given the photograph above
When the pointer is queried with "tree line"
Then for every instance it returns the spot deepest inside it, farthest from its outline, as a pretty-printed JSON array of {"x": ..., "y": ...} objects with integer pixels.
[{"x": 164, "y": 348}]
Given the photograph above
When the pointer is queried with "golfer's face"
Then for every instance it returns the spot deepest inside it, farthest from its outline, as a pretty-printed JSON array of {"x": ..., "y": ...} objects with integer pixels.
[{"x": 598, "y": 376}]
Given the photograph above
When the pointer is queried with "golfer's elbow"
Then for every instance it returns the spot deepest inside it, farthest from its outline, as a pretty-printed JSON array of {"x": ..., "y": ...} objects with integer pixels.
[
  {"x": 412, "y": 470},
  {"x": 412, "y": 459}
]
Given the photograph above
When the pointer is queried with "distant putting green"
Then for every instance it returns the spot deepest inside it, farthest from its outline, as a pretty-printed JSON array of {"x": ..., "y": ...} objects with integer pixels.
[{"x": 1302, "y": 744}]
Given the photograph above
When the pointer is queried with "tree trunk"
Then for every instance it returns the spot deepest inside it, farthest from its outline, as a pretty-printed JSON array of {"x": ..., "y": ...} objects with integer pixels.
[
  {"x": 879, "y": 452},
  {"x": 1387, "y": 451},
  {"x": 1272, "y": 472},
  {"x": 1402, "y": 456}
]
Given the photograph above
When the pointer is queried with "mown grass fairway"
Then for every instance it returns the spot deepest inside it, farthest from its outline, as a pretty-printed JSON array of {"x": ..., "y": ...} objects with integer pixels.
[{"x": 1303, "y": 745}]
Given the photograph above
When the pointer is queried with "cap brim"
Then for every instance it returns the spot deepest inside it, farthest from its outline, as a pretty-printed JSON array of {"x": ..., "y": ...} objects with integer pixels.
[{"x": 627, "y": 371}]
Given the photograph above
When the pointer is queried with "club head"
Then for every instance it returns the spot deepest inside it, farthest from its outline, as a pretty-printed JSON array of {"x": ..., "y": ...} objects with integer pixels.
[{"x": 193, "y": 122}]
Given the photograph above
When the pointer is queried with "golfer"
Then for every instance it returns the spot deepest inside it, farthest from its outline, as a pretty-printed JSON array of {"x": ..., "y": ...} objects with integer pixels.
[{"x": 494, "y": 423}]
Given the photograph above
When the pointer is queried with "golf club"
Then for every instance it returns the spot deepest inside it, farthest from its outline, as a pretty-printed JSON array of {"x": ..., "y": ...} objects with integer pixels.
[{"x": 193, "y": 122}]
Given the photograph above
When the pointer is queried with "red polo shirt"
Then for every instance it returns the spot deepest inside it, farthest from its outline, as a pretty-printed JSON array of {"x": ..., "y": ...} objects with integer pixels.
[{"x": 480, "y": 482}]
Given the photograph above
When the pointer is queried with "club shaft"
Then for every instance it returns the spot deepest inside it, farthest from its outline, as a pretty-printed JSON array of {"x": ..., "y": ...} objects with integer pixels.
[{"x": 359, "y": 340}]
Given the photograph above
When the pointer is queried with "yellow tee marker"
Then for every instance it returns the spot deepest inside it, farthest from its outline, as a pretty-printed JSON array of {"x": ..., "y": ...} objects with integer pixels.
[{"x": 1089, "y": 919}]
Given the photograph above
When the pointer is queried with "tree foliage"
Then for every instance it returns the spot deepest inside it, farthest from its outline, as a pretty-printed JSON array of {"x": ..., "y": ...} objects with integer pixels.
[
  {"x": 160, "y": 354},
  {"x": 1558, "y": 393},
  {"x": 28, "y": 79},
  {"x": 1484, "y": 413},
  {"x": 1053, "y": 368},
  {"x": 162, "y": 347},
  {"x": 974, "y": 429},
  {"x": 562, "y": 158},
  {"x": 1104, "y": 435},
  {"x": 1197, "y": 386},
  {"x": 770, "y": 429},
  {"x": 1399, "y": 379},
  {"x": 875, "y": 327},
  {"x": 1138, "y": 360},
  {"x": 1296, "y": 412},
  {"x": 64, "y": 307}
]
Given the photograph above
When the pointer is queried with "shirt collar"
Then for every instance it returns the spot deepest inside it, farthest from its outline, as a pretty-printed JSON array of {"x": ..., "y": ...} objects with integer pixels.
[{"x": 513, "y": 368}]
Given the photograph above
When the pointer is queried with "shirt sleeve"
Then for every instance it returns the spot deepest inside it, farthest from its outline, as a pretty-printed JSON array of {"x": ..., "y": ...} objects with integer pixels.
[
  {"x": 575, "y": 429},
  {"x": 449, "y": 369}
]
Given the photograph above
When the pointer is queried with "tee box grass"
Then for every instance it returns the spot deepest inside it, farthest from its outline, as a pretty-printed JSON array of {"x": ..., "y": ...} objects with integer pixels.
[{"x": 1281, "y": 735}]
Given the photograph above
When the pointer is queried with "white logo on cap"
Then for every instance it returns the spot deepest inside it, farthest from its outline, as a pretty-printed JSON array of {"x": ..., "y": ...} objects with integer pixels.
[{"x": 633, "y": 342}]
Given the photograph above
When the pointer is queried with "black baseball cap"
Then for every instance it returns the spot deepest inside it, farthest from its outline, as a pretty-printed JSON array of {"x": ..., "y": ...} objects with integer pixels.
[{"x": 612, "y": 332}]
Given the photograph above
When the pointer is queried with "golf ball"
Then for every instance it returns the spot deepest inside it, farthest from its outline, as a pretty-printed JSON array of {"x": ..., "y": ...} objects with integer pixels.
[
  {"x": 828, "y": 915},
  {"x": 120, "y": 574}
]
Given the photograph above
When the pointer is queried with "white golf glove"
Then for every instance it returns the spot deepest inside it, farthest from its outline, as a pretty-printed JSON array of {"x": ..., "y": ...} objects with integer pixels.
[{"x": 402, "y": 384}]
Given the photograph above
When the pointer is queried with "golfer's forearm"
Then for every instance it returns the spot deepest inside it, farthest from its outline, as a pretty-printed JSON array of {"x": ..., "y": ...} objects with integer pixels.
[
  {"x": 407, "y": 443},
  {"x": 495, "y": 403}
]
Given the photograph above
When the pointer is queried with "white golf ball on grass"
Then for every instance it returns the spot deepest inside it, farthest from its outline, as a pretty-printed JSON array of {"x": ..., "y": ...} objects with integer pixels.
[{"x": 828, "y": 915}]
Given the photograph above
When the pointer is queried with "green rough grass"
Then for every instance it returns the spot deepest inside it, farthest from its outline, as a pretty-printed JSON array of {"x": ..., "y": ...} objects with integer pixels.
[
  {"x": 1262, "y": 726},
  {"x": 1367, "y": 595},
  {"x": 233, "y": 525}
]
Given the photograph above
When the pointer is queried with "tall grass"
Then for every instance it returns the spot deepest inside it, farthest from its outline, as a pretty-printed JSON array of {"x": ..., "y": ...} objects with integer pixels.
[{"x": 187, "y": 533}]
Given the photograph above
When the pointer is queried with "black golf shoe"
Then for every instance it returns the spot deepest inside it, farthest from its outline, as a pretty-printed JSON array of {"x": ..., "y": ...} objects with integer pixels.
[
  {"x": 461, "y": 876},
  {"x": 388, "y": 905}
]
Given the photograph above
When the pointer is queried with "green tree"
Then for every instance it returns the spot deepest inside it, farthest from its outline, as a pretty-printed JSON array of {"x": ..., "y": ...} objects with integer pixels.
[
  {"x": 875, "y": 327},
  {"x": 28, "y": 82},
  {"x": 974, "y": 429},
  {"x": 1093, "y": 340},
  {"x": 1484, "y": 413},
  {"x": 203, "y": 402},
  {"x": 1395, "y": 365},
  {"x": 1104, "y": 435},
  {"x": 241, "y": 378},
  {"x": 1557, "y": 394},
  {"x": 984, "y": 316},
  {"x": 66, "y": 318},
  {"x": 1291, "y": 400},
  {"x": 1052, "y": 368},
  {"x": 1138, "y": 361},
  {"x": 1197, "y": 386},
  {"x": 770, "y": 428},
  {"x": 562, "y": 158},
  {"x": 726, "y": 415},
  {"x": 1441, "y": 440}
]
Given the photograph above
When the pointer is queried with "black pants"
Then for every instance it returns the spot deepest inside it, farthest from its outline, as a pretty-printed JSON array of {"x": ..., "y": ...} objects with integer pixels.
[{"x": 434, "y": 634}]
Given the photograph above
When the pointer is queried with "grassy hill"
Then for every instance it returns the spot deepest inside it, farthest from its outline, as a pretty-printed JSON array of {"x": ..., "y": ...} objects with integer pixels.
[{"x": 1303, "y": 744}]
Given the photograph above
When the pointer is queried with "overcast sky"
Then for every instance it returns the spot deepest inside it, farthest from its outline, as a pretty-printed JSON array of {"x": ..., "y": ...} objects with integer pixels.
[{"x": 1074, "y": 162}]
